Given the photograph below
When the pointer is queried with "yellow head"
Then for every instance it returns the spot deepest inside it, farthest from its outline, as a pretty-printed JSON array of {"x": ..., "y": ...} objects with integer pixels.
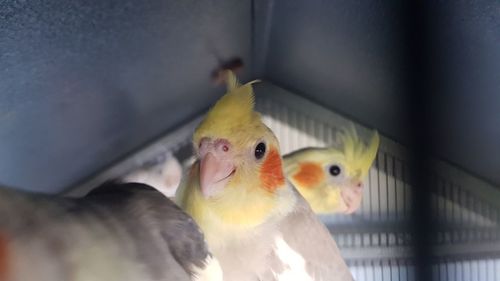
[
  {"x": 332, "y": 179},
  {"x": 238, "y": 174},
  {"x": 358, "y": 157}
]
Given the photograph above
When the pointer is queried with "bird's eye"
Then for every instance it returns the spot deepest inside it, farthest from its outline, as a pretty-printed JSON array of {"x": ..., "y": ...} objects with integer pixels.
[
  {"x": 335, "y": 170},
  {"x": 260, "y": 150}
]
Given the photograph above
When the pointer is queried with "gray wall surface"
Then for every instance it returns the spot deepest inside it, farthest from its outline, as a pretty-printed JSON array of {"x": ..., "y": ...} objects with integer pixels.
[
  {"x": 347, "y": 56},
  {"x": 467, "y": 79},
  {"x": 343, "y": 54},
  {"x": 84, "y": 83}
]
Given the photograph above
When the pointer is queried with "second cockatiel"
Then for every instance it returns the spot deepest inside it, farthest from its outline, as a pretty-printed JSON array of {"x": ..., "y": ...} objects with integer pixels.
[
  {"x": 255, "y": 222},
  {"x": 118, "y": 232},
  {"x": 332, "y": 179}
]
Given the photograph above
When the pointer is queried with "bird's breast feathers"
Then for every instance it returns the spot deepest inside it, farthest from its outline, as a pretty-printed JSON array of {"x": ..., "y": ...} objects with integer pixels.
[
  {"x": 251, "y": 217},
  {"x": 292, "y": 264}
]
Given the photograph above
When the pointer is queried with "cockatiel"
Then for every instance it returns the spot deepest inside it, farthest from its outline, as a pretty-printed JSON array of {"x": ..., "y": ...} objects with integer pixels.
[
  {"x": 332, "y": 179},
  {"x": 118, "y": 232},
  {"x": 255, "y": 222}
]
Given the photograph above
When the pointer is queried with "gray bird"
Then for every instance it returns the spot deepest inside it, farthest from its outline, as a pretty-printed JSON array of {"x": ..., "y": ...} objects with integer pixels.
[{"x": 117, "y": 232}]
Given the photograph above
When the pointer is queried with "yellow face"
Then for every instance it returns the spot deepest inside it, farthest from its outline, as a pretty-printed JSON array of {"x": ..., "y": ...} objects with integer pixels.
[
  {"x": 250, "y": 160},
  {"x": 332, "y": 179},
  {"x": 238, "y": 178}
]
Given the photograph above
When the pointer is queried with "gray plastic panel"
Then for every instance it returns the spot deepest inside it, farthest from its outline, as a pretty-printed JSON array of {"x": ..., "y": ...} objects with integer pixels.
[
  {"x": 348, "y": 55},
  {"x": 83, "y": 83},
  {"x": 466, "y": 72},
  {"x": 343, "y": 54}
]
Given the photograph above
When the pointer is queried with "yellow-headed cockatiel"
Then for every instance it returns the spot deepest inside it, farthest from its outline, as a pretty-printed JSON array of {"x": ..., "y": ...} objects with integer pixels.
[
  {"x": 119, "y": 232},
  {"x": 255, "y": 222},
  {"x": 332, "y": 179}
]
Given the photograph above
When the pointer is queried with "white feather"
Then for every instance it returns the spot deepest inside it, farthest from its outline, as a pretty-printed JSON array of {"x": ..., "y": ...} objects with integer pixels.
[
  {"x": 211, "y": 272},
  {"x": 293, "y": 262}
]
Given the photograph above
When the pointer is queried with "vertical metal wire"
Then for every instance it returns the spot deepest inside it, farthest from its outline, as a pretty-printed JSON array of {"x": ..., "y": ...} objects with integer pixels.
[
  {"x": 378, "y": 187},
  {"x": 405, "y": 193},
  {"x": 387, "y": 203},
  {"x": 495, "y": 270},
  {"x": 396, "y": 198},
  {"x": 370, "y": 196}
]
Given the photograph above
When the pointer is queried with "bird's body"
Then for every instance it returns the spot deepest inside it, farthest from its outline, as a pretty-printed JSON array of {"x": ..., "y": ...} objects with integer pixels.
[
  {"x": 284, "y": 247},
  {"x": 281, "y": 241},
  {"x": 331, "y": 179},
  {"x": 255, "y": 222},
  {"x": 118, "y": 232}
]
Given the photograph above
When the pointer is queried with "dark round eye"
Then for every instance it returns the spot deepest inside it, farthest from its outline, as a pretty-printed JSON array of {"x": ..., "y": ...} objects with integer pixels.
[
  {"x": 260, "y": 150},
  {"x": 334, "y": 170}
]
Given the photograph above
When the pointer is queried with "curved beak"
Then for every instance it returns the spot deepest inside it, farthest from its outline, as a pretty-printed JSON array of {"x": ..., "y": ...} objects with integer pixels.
[{"x": 215, "y": 172}]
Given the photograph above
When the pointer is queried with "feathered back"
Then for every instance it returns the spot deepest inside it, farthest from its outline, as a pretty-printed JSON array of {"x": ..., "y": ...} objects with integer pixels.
[
  {"x": 359, "y": 156},
  {"x": 232, "y": 113}
]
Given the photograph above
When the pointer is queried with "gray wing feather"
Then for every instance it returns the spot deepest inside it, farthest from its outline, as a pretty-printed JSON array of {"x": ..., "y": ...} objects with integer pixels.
[{"x": 126, "y": 230}]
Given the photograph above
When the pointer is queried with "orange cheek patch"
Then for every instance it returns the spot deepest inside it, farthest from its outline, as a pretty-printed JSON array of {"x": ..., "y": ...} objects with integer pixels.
[
  {"x": 271, "y": 172},
  {"x": 4, "y": 258},
  {"x": 309, "y": 175}
]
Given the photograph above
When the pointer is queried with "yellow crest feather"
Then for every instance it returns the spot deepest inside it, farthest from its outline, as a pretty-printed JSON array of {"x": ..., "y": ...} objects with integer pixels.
[
  {"x": 359, "y": 156},
  {"x": 231, "y": 81},
  {"x": 231, "y": 113}
]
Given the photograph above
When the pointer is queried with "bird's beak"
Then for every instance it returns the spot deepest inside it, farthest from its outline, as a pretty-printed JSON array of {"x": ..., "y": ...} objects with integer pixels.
[
  {"x": 352, "y": 195},
  {"x": 215, "y": 172}
]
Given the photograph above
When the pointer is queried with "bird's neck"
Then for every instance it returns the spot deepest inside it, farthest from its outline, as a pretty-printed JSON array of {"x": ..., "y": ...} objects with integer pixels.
[
  {"x": 239, "y": 210},
  {"x": 240, "y": 220},
  {"x": 239, "y": 207}
]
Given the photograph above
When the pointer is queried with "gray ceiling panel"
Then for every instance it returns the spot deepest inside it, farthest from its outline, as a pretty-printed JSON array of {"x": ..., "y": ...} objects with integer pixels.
[
  {"x": 343, "y": 54},
  {"x": 466, "y": 61},
  {"x": 346, "y": 55},
  {"x": 83, "y": 83}
]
